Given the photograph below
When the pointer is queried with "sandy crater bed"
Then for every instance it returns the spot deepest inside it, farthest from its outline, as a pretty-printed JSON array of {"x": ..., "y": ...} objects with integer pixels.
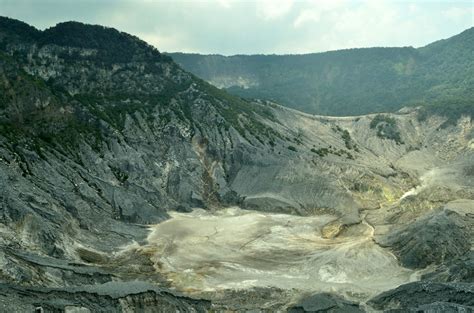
[{"x": 240, "y": 249}]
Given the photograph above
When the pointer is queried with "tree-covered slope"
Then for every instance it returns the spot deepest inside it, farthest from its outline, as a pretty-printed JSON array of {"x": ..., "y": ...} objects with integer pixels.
[{"x": 346, "y": 82}]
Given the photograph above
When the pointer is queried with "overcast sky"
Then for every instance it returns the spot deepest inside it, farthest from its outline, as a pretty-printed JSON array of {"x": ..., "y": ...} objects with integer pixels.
[{"x": 268, "y": 26}]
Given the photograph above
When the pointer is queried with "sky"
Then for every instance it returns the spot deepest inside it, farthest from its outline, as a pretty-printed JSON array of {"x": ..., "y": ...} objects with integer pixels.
[{"x": 231, "y": 27}]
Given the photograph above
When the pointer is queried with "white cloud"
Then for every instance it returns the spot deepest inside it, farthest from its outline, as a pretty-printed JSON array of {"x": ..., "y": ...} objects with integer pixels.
[
  {"x": 273, "y": 9},
  {"x": 456, "y": 13},
  {"x": 172, "y": 42},
  {"x": 227, "y": 4},
  {"x": 306, "y": 16},
  {"x": 413, "y": 8},
  {"x": 327, "y": 5},
  {"x": 314, "y": 9}
]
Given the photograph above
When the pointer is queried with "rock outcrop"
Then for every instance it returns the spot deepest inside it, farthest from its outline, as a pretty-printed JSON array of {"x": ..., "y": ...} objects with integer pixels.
[
  {"x": 109, "y": 297},
  {"x": 427, "y": 297},
  {"x": 436, "y": 238},
  {"x": 325, "y": 303}
]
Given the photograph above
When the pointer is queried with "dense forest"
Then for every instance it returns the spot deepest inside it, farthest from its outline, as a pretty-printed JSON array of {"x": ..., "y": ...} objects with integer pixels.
[{"x": 349, "y": 82}]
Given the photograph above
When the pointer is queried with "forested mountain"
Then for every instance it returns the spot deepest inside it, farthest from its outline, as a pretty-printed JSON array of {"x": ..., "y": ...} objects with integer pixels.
[
  {"x": 107, "y": 146},
  {"x": 347, "y": 82}
]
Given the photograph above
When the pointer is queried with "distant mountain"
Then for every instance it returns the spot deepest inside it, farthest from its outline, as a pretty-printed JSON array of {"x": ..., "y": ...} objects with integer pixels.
[{"x": 346, "y": 82}]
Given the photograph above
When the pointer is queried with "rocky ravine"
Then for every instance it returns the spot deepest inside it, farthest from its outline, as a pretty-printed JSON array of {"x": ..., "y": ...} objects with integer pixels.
[{"x": 101, "y": 135}]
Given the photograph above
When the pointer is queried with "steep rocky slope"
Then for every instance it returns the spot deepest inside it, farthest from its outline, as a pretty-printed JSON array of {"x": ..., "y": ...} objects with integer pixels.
[
  {"x": 347, "y": 82},
  {"x": 100, "y": 135}
]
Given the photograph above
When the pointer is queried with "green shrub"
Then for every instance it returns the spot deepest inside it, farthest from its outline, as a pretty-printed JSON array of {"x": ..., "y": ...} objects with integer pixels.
[
  {"x": 119, "y": 174},
  {"x": 386, "y": 128},
  {"x": 322, "y": 152}
]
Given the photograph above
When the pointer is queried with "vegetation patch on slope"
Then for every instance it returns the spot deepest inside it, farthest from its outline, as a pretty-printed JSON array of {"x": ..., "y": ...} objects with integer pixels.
[
  {"x": 386, "y": 127},
  {"x": 451, "y": 109}
]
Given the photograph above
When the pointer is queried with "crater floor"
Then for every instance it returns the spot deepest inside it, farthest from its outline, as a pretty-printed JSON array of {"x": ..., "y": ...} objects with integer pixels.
[{"x": 240, "y": 249}]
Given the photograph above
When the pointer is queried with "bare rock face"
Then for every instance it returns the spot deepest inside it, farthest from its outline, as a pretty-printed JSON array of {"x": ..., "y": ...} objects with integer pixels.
[
  {"x": 110, "y": 297},
  {"x": 427, "y": 297},
  {"x": 332, "y": 229},
  {"x": 458, "y": 270},
  {"x": 442, "y": 240},
  {"x": 440, "y": 236},
  {"x": 325, "y": 302}
]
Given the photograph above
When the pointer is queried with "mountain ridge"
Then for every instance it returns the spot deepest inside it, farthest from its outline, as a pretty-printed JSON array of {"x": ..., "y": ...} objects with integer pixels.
[{"x": 349, "y": 81}]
